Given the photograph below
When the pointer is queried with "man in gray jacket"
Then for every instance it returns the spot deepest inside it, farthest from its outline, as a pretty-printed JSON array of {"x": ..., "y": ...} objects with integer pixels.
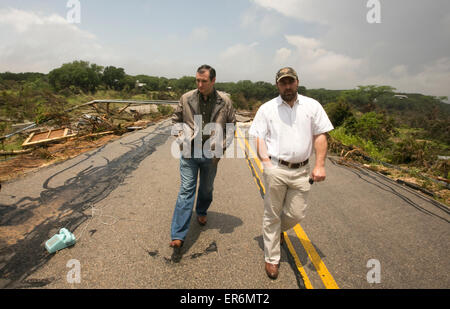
[{"x": 204, "y": 123}]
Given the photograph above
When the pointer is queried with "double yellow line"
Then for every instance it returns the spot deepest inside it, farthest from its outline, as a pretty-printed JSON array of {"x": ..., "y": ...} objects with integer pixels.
[{"x": 322, "y": 270}]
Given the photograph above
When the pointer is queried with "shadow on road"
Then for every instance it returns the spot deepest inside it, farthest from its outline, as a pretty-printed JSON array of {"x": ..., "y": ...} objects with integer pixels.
[
  {"x": 216, "y": 221},
  {"x": 63, "y": 206}
]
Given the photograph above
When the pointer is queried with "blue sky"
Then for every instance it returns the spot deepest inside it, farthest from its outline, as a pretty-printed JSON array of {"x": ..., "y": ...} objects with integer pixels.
[{"x": 330, "y": 43}]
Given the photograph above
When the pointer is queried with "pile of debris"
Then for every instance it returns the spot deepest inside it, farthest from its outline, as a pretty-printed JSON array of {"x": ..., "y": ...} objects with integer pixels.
[
  {"x": 103, "y": 119},
  {"x": 39, "y": 138},
  {"x": 352, "y": 156},
  {"x": 69, "y": 134}
]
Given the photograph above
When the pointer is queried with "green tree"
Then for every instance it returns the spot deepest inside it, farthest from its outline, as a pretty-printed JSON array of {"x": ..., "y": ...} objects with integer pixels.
[
  {"x": 373, "y": 91},
  {"x": 185, "y": 83},
  {"x": 376, "y": 127},
  {"x": 28, "y": 76},
  {"x": 228, "y": 87},
  {"x": 365, "y": 97},
  {"x": 114, "y": 78},
  {"x": 265, "y": 91},
  {"x": 151, "y": 82},
  {"x": 163, "y": 84},
  {"x": 80, "y": 74},
  {"x": 322, "y": 95},
  {"x": 409, "y": 151},
  {"x": 338, "y": 112},
  {"x": 302, "y": 90},
  {"x": 239, "y": 101},
  {"x": 129, "y": 83}
]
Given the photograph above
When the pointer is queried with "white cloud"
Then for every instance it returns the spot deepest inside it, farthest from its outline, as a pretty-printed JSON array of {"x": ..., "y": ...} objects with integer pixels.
[
  {"x": 318, "y": 66},
  {"x": 303, "y": 43},
  {"x": 35, "y": 42},
  {"x": 347, "y": 51},
  {"x": 433, "y": 79},
  {"x": 21, "y": 21},
  {"x": 199, "y": 34},
  {"x": 329, "y": 42},
  {"x": 399, "y": 71},
  {"x": 282, "y": 55},
  {"x": 238, "y": 51},
  {"x": 307, "y": 10},
  {"x": 241, "y": 61},
  {"x": 265, "y": 24}
]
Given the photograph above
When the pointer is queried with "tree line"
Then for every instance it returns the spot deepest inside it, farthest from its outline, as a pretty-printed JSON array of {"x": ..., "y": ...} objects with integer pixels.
[
  {"x": 372, "y": 112},
  {"x": 84, "y": 77}
]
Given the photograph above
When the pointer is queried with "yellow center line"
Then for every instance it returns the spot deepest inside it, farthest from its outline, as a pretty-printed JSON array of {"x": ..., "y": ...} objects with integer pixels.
[
  {"x": 250, "y": 149},
  {"x": 300, "y": 268},
  {"x": 322, "y": 270},
  {"x": 251, "y": 167}
]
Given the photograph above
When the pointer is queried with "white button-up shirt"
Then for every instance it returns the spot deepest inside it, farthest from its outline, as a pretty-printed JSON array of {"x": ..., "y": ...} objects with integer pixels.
[{"x": 288, "y": 132}]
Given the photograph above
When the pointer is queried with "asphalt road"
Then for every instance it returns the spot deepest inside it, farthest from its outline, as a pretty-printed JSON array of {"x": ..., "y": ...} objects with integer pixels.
[{"x": 118, "y": 201}]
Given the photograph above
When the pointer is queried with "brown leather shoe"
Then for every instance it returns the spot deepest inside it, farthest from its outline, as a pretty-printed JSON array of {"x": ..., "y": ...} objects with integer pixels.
[
  {"x": 176, "y": 243},
  {"x": 202, "y": 220},
  {"x": 272, "y": 270}
]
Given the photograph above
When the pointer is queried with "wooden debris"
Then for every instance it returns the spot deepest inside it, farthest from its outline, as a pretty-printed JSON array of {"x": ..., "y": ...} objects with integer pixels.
[
  {"x": 47, "y": 137},
  {"x": 98, "y": 134},
  {"x": 15, "y": 152}
]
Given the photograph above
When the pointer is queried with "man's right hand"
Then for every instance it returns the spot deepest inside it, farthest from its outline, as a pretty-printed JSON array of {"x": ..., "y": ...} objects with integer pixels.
[{"x": 267, "y": 163}]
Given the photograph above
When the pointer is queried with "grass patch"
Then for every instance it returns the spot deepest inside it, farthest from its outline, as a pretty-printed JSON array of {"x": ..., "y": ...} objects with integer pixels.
[
  {"x": 14, "y": 143},
  {"x": 355, "y": 141}
]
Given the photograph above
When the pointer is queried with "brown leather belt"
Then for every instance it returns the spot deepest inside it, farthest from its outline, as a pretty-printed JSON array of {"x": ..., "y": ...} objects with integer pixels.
[{"x": 292, "y": 165}]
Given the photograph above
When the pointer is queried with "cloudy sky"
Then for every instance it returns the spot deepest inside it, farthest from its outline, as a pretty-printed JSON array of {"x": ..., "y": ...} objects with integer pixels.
[{"x": 330, "y": 43}]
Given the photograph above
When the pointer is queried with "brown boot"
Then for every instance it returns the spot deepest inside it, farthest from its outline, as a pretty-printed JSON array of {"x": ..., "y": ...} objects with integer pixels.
[
  {"x": 176, "y": 243},
  {"x": 202, "y": 220},
  {"x": 272, "y": 270}
]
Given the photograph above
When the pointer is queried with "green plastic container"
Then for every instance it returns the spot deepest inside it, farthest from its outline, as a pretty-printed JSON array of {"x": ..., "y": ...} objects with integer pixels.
[{"x": 60, "y": 241}]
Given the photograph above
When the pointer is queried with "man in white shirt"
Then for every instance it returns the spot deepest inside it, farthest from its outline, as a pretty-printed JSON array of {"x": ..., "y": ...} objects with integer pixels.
[{"x": 287, "y": 130}]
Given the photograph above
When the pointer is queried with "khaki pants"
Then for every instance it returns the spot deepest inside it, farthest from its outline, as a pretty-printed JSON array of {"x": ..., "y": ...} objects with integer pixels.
[{"x": 285, "y": 203}]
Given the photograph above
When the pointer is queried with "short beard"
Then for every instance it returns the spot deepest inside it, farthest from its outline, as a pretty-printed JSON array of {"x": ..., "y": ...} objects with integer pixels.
[{"x": 289, "y": 97}]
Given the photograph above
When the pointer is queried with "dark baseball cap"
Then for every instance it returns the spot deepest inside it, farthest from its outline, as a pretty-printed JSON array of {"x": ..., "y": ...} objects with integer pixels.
[{"x": 286, "y": 72}]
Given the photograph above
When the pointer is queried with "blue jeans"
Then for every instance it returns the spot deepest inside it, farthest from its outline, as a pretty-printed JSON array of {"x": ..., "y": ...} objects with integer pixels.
[{"x": 189, "y": 170}]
